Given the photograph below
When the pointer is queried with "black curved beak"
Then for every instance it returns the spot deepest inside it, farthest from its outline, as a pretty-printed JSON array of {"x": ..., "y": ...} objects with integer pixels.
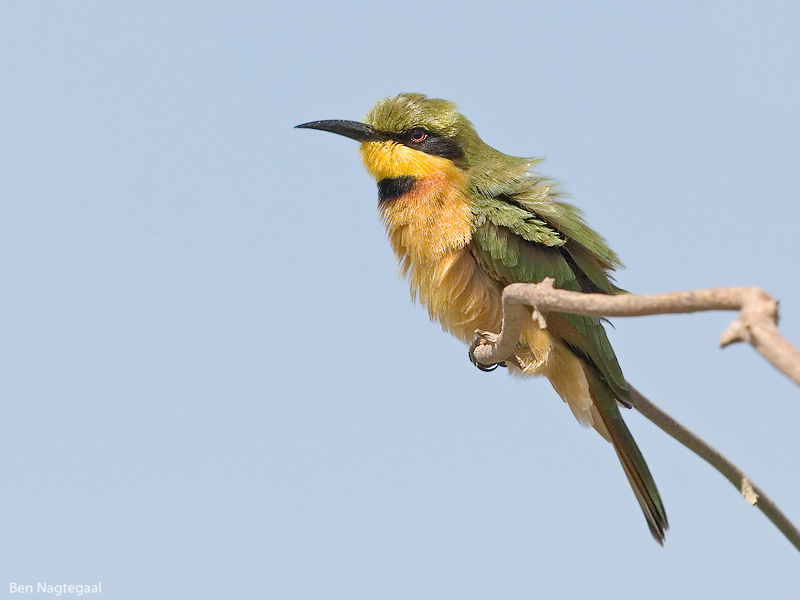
[{"x": 360, "y": 132}]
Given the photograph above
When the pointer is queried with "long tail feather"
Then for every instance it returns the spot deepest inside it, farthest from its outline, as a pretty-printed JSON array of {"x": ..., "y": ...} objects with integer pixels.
[{"x": 644, "y": 487}]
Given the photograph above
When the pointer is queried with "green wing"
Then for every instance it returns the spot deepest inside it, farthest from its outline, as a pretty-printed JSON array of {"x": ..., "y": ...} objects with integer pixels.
[{"x": 527, "y": 237}]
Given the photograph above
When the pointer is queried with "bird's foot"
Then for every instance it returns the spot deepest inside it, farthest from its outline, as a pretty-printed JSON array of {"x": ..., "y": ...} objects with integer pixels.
[{"x": 488, "y": 339}]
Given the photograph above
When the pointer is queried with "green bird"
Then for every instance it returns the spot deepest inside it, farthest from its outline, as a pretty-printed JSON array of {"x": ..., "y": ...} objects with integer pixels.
[{"x": 465, "y": 220}]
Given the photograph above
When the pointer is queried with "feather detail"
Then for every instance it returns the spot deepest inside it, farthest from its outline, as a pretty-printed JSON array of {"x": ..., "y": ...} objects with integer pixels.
[{"x": 633, "y": 463}]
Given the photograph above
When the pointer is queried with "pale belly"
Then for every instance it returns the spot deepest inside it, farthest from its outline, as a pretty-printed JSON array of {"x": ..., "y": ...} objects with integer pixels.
[{"x": 461, "y": 296}]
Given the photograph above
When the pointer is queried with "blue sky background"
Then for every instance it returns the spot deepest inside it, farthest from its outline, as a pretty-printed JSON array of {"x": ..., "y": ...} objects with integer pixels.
[{"x": 214, "y": 384}]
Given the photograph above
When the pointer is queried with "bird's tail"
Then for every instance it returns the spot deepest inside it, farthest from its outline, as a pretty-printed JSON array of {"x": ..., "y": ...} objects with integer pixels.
[{"x": 631, "y": 458}]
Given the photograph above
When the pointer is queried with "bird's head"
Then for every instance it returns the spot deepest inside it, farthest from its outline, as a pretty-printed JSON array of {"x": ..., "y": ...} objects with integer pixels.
[
  {"x": 408, "y": 135},
  {"x": 413, "y": 136}
]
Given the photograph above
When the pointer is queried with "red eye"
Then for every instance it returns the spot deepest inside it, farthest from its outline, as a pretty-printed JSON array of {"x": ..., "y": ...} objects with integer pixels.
[{"x": 417, "y": 134}]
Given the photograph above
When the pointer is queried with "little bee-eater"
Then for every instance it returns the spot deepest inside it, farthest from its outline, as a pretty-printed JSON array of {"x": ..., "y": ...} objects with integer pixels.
[{"x": 466, "y": 220}]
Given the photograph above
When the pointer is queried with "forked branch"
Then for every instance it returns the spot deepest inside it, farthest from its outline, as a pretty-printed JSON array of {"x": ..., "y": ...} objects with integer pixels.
[{"x": 756, "y": 324}]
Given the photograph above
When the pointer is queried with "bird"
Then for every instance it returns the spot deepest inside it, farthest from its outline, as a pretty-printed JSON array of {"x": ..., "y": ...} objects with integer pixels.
[{"x": 466, "y": 220}]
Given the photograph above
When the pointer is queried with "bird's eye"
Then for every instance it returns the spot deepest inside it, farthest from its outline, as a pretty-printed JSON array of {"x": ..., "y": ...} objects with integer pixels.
[{"x": 417, "y": 134}]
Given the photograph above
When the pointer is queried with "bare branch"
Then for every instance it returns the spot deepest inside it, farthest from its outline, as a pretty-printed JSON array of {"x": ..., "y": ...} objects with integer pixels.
[
  {"x": 756, "y": 324},
  {"x": 753, "y": 494}
]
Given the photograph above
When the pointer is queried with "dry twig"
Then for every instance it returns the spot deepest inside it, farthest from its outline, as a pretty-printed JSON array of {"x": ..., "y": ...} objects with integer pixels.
[{"x": 758, "y": 315}]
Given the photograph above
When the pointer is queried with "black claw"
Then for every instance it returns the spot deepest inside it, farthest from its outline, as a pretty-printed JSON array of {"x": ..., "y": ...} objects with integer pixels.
[{"x": 482, "y": 367}]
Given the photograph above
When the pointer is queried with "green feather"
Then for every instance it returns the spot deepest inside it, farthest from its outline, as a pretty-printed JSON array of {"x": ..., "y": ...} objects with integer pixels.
[{"x": 515, "y": 245}]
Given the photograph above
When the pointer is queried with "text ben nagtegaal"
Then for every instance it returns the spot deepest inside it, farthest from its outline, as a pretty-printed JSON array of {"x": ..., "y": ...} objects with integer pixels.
[{"x": 55, "y": 589}]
